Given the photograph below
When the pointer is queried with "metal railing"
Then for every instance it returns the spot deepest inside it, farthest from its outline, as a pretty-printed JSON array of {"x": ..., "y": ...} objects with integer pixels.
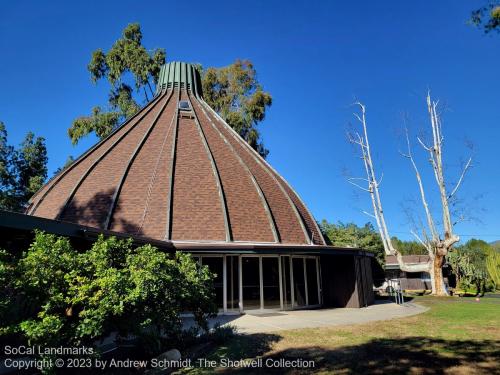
[{"x": 394, "y": 289}]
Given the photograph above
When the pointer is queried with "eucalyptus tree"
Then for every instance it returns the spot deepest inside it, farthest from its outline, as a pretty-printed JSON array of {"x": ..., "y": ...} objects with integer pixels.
[
  {"x": 233, "y": 91},
  {"x": 126, "y": 57},
  {"x": 69, "y": 160},
  {"x": 236, "y": 94},
  {"x": 487, "y": 17}
]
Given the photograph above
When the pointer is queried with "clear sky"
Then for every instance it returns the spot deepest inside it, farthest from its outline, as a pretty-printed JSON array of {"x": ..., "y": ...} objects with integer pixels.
[{"x": 315, "y": 58}]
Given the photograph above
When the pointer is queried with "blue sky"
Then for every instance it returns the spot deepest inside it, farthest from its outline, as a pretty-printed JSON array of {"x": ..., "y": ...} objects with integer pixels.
[{"x": 315, "y": 58}]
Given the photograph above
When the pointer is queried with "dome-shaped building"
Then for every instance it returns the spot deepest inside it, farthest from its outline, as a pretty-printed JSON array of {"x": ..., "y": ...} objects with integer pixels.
[
  {"x": 177, "y": 174},
  {"x": 176, "y": 171}
]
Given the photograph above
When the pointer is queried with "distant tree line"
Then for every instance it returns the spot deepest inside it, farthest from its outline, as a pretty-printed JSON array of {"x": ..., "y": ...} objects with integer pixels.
[
  {"x": 366, "y": 237},
  {"x": 408, "y": 247},
  {"x": 23, "y": 170},
  {"x": 351, "y": 235}
]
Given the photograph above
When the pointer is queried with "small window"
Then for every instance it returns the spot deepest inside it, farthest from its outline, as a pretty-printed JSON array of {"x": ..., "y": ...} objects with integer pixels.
[
  {"x": 184, "y": 105},
  {"x": 425, "y": 276}
]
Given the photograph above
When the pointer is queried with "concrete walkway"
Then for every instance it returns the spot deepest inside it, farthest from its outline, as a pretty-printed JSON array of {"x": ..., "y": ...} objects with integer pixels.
[{"x": 269, "y": 321}]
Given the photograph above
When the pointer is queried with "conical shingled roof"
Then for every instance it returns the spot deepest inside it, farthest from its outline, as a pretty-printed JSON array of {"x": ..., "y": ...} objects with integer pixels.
[{"x": 172, "y": 174}]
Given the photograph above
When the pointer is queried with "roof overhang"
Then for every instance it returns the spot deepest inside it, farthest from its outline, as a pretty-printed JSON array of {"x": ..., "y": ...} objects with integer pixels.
[{"x": 28, "y": 223}]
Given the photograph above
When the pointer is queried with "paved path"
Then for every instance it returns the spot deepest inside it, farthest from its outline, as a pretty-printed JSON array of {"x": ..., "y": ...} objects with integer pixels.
[{"x": 256, "y": 322}]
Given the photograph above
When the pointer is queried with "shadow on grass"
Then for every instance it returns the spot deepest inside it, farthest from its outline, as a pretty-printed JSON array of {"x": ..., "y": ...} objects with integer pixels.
[
  {"x": 379, "y": 356},
  {"x": 246, "y": 346}
]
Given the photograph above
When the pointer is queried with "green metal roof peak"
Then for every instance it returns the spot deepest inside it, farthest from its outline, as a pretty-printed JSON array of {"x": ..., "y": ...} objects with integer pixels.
[{"x": 180, "y": 74}]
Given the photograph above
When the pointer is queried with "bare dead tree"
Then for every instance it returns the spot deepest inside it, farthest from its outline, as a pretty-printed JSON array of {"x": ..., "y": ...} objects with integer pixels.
[{"x": 437, "y": 244}]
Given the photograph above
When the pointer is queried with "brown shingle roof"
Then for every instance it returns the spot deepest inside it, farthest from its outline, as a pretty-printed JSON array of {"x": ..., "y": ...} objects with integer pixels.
[{"x": 171, "y": 177}]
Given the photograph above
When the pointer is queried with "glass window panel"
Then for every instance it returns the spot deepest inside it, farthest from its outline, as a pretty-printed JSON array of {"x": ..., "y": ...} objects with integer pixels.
[
  {"x": 312, "y": 281},
  {"x": 184, "y": 104},
  {"x": 232, "y": 282},
  {"x": 285, "y": 274},
  {"x": 215, "y": 265}
]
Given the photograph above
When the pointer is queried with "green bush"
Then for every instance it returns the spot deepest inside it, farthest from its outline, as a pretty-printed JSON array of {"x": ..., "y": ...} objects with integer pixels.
[
  {"x": 493, "y": 267},
  {"x": 54, "y": 295},
  {"x": 469, "y": 265},
  {"x": 9, "y": 305},
  {"x": 221, "y": 334}
]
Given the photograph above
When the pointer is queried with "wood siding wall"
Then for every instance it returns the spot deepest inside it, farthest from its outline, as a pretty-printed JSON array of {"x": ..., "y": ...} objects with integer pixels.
[{"x": 347, "y": 281}]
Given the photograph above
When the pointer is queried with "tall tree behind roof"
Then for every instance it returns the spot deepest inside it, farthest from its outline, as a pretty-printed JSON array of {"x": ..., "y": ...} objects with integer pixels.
[
  {"x": 236, "y": 94},
  {"x": 233, "y": 91},
  {"x": 127, "y": 55}
]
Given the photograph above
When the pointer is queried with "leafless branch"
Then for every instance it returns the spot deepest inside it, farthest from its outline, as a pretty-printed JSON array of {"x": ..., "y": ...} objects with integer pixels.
[
  {"x": 358, "y": 186},
  {"x": 464, "y": 171},
  {"x": 381, "y": 178},
  {"x": 427, "y": 148},
  {"x": 369, "y": 214},
  {"x": 418, "y": 238}
]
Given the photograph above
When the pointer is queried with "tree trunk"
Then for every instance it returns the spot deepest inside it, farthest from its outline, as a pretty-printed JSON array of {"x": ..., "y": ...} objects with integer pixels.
[{"x": 438, "y": 287}]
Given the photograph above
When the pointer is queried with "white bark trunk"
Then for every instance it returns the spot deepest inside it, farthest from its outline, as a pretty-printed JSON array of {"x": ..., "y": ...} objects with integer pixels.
[{"x": 437, "y": 246}]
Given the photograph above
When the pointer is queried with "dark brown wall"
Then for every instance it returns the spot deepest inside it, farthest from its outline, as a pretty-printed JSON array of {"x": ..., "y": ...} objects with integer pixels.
[
  {"x": 364, "y": 281},
  {"x": 347, "y": 281}
]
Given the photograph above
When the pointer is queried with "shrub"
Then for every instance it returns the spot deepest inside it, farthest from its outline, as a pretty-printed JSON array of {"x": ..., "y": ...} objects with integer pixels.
[
  {"x": 469, "y": 264},
  {"x": 221, "y": 334},
  {"x": 493, "y": 267},
  {"x": 75, "y": 298},
  {"x": 8, "y": 294}
]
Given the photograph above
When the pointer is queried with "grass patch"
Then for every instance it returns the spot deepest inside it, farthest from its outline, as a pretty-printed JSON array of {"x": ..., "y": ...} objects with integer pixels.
[{"x": 456, "y": 336}]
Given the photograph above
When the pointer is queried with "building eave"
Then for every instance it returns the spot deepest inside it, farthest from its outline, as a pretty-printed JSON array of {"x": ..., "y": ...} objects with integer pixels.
[{"x": 28, "y": 223}]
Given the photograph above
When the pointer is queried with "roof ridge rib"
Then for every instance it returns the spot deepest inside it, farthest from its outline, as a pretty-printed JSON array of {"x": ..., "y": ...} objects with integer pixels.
[
  {"x": 216, "y": 174},
  {"x": 154, "y": 175},
  {"x": 265, "y": 204},
  {"x": 89, "y": 169},
  {"x": 78, "y": 160},
  {"x": 264, "y": 164},
  {"x": 131, "y": 160},
  {"x": 168, "y": 226}
]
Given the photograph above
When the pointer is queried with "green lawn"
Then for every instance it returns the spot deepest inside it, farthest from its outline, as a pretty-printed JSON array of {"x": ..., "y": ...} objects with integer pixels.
[{"x": 456, "y": 336}]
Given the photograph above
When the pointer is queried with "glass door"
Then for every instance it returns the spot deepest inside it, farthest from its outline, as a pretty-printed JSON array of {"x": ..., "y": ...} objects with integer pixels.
[
  {"x": 250, "y": 274},
  {"x": 312, "y": 281},
  {"x": 271, "y": 282},
  {"x": 299, "y": 282}
]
